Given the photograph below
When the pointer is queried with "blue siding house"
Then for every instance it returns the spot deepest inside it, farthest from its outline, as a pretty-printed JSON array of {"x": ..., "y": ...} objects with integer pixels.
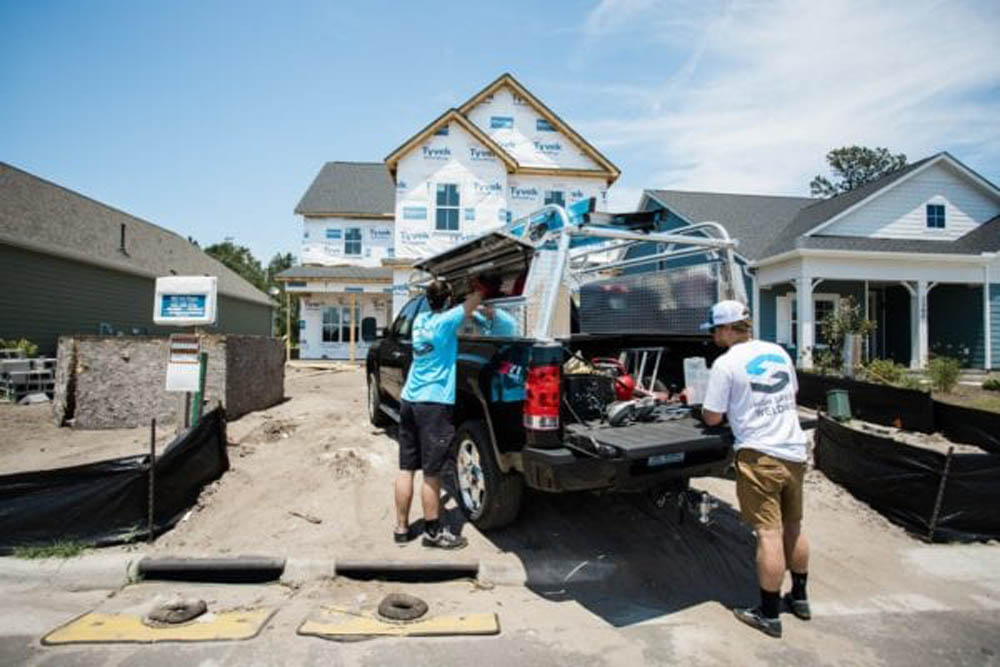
[{"x": 918, "y": 249}]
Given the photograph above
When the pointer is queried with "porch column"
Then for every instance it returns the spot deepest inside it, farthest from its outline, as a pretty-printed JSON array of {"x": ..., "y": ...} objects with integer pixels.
[
  {"x": 288, "y": 325},
  {"x": 806, "y": 327},
  {"x": 755, "y": 313},
  {"x": 919, "y": 338},
  {"x": 923, "y": 289},
  {"x": 987, "y": 338},
  {"x": 353, "y": 302}
]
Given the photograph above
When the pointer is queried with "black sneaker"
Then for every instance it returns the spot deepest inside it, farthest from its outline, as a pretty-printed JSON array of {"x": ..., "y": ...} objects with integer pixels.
[
  {"x": 402, "y": 539},
  {"x": 755, "y": 619},
  {"x": 799, "y": 608},
  {"x": 444, "y": 539}
]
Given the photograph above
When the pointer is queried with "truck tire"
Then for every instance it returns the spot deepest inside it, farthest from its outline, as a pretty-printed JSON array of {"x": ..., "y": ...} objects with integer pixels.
[
  {"x": 488, "y": 497},
  {"x": 378, "y": 418}
]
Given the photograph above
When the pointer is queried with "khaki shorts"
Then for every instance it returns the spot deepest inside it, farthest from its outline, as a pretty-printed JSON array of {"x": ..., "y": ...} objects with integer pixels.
[{"x": 769, "y": 489}]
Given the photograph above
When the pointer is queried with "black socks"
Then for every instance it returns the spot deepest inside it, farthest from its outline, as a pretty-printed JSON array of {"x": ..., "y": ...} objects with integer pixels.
[
  {"x": 799, "y": 585},
  {"x": 770, "y": 603},
  {"x": 432, "y": 527}
]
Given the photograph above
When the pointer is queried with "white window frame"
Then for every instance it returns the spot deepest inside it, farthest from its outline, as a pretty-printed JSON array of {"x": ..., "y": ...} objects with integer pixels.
[
  {"x": 348, "y": 242},
  {"x": 786, "y": 319},
  {"x": 455, "y": 208}
]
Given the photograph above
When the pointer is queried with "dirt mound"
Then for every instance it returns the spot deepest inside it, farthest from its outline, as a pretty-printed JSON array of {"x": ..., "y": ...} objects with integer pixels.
[
  {"x": 271, "y": 430},
  {"x": 345, "y": 463}
]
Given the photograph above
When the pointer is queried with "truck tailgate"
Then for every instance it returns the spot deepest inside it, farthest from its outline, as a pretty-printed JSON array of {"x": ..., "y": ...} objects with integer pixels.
[{"x": 644, "y": 439}]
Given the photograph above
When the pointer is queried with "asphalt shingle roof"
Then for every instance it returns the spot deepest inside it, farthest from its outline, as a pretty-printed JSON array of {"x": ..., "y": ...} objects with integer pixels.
[
  {"x": 337, "y": 272},
  {"x": 755, "y": 220},
  {"x": 770, "y": 225},
  {"x": 48, "y": 218},
  {"x": 342, "y": 188}
]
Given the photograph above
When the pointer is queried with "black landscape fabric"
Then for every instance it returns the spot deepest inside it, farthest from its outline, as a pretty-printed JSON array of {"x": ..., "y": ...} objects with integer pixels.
[
  {"x": 876, "y": 403},
  {"x": 901, "y": 482},
  {"x": 107, "y": 502},
  {"x": 969, "y": 426}
]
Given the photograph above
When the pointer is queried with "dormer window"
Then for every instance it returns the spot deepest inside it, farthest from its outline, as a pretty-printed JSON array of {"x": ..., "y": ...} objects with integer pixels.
[{"x": 935, "y": 216}]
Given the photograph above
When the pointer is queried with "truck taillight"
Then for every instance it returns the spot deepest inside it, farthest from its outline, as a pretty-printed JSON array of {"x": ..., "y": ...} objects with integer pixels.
[{"x": 541, "y": 398}]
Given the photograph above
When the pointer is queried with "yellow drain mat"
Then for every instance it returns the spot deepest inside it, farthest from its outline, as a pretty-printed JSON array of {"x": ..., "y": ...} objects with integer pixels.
[
  {"x": 94, "y": 628},
  {"x": 335, "y": 624}
]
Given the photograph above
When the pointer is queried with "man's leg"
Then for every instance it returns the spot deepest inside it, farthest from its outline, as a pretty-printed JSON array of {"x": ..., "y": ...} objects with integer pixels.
[
  {"x": 430, "y": 497},
  {"x": 795, "y": 544},
  {"x": 404, "y": 498},
  {"x": 770, "y": 559}
]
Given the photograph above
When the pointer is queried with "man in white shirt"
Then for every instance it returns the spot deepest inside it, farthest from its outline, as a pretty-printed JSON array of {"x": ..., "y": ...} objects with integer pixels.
[{"x": 753, "y": 384}]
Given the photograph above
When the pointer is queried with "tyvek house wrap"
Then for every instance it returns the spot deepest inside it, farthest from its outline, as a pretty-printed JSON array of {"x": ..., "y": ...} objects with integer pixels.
[
  {"x": 331, "y": 241},
  {"x": 487, "y": 195}
]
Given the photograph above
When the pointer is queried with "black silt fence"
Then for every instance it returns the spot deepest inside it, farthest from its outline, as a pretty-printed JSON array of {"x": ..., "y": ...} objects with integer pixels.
[
  {"x": 107, "y": 502},
  {"x": 902, "y": 483},
  {"x": 911, "y": 409}
]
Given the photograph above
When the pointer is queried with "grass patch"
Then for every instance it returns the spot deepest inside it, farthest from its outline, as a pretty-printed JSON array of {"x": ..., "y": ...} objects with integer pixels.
[
  {"x": 54, "y": 550},
  {"x": 970, "y": 397}
]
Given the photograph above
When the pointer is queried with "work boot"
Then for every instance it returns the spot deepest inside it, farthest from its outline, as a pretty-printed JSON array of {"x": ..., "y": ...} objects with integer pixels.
[
  {"x": 755, "y": 619},
  {"x": 799, "y": 608},
  {"x": 444, "y": 539}
]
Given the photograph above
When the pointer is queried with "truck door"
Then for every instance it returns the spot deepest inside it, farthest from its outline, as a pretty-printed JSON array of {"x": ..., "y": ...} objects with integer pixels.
[{"x": 396, "y": 350}]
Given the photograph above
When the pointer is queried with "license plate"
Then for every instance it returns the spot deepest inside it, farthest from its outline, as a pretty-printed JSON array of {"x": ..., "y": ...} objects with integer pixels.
[{"x": 664, "y": 459}]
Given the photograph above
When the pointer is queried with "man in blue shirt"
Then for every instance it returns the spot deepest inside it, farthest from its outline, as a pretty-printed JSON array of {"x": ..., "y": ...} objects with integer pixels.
[{"x": 425, "y": 415}]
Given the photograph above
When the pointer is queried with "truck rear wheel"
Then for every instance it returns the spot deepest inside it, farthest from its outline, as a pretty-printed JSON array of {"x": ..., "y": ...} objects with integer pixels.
[
  {"x": 375, "y": 415},
  {"x": 488, "y": 497}
]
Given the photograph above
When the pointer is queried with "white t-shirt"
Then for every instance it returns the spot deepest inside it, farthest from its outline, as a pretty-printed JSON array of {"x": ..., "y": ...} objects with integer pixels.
[{"x": 754, "y": 383}]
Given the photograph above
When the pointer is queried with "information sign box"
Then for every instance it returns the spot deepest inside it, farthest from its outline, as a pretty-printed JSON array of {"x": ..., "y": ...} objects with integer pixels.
[
  {"x": 185, "y": 300},
  {"x": 183, "y": 362}
]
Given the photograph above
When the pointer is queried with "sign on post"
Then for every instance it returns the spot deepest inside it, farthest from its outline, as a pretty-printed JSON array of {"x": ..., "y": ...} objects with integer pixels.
[
  {"x": 185, "y": 300},
  {"x": 183, "y": 362}
]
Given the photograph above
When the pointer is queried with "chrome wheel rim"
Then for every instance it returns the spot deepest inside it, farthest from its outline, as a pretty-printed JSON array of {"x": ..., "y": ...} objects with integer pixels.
[{"x": 470, "y": 476}]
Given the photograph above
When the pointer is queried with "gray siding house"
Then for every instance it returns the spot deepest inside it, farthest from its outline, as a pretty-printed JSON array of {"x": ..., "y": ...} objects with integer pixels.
[
  {"x": 918, "y": 249},
  {"x": 72, "y": 265}
]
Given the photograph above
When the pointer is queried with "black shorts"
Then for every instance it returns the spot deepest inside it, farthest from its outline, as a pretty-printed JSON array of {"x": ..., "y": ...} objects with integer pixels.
[{"x": 425, "y": 434}]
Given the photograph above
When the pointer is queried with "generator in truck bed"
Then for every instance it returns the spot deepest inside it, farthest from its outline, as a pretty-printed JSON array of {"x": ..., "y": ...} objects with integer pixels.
[{"x": 562, "y": 378}]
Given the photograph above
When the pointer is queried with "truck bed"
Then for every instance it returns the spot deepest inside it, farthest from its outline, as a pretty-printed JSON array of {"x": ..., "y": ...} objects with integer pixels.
[{"x": 644, "y": 439}]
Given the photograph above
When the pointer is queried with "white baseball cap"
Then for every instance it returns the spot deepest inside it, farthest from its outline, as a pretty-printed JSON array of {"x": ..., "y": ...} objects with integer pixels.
[{"x": 726, "y": 312}]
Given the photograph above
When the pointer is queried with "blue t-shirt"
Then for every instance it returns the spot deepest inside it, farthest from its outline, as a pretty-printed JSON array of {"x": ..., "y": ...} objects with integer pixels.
[
  {"x": 501, "y": 325},
  {"x": 435, "y": 347}
]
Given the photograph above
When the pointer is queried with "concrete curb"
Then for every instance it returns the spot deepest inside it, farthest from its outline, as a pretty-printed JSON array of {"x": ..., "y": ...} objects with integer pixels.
[{"x": 112, "y": 571}]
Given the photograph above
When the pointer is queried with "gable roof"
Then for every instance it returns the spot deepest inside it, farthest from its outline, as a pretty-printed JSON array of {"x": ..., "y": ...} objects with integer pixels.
[
  {"x": 451, "y": 115},
  {"x": 41, "y": 216},
  {"x": 507, "y": 79},
  {"x": 755, "y": 220},
  {"x": 350, "y": 188}
]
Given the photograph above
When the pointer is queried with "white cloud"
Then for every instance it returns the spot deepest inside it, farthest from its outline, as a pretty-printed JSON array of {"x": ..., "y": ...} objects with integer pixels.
[{"x": 765, "y": 89}]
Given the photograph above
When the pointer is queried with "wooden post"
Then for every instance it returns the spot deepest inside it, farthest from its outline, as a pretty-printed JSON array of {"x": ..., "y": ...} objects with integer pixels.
[
  {"x": 199, "y": 396},
  {"x": 152, "y": 476},
  {"x": 940, "y": 494},
  {"x": 288, "y": 325},
  {"x": 354, "y": 301}
]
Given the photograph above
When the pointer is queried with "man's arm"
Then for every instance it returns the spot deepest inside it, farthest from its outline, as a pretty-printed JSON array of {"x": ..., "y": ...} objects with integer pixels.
[
  {"x": 712, "y": 418},
  {"x": 713, "y": 408},
  {"x": 473, "y": 299}
]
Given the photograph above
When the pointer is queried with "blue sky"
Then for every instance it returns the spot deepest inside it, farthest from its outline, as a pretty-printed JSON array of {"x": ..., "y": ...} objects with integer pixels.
[{"x": 212, "y": 118}]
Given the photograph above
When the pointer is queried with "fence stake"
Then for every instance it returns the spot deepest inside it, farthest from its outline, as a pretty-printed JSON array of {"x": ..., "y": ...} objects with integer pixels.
[
  {"x": 152, "y": 474},
  {"x": 940, "y": 494}
]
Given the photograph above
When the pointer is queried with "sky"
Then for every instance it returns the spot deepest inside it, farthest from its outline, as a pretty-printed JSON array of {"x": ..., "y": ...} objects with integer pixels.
[{"x": 211, "y": 118}]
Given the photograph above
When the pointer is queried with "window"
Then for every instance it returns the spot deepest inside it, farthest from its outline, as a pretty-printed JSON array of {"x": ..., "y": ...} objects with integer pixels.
[
  {"x": 337, "y": 324},
  {"x": 787, "y": 317},
  {"x": 470, "y": 214},
  {"x": 442, "y": 131},
  {"x": 501, "y": 122},
  {"x": 414, "y": 213},
  {"x": 935, "y": 216},
  {"x": 333, "y": 233},
  {"x": 542, "y": 125},
  {"x": 331, "y": 325},
  {"x": 352, "y": 241},
  {"x": 554, "y": 197},
  {"x": 447, "y": 207}
]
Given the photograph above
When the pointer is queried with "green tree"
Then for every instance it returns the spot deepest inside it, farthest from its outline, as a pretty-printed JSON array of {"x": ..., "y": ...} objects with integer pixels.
[
  {"x": 240, "y": 260},
  {"x": 853, "y": 166},
  {"x": 276, "y": 289}
]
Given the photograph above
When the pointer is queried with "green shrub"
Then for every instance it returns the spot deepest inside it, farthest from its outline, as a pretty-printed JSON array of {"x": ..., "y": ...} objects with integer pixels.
[
  {"x": 911, "y": 382},
  {"x": 54, "y": 550},
  {"x": 30, "y": 349},
  {"x": 991, "y": 384},
  {"x": 943, "y": 373},
  {"x": 885, "y": 371}
]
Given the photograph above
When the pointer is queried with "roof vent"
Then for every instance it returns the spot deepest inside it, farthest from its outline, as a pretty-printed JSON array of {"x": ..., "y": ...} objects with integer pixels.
[{"x": 121, "y": 242}]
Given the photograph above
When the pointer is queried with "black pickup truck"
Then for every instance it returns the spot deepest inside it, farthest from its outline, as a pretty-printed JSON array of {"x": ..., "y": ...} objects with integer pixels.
[{"x": 524, "y": 416}]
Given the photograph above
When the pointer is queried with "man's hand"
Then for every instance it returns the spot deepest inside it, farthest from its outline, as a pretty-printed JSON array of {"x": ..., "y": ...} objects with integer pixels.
[{"x": 474, "y": 298}]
